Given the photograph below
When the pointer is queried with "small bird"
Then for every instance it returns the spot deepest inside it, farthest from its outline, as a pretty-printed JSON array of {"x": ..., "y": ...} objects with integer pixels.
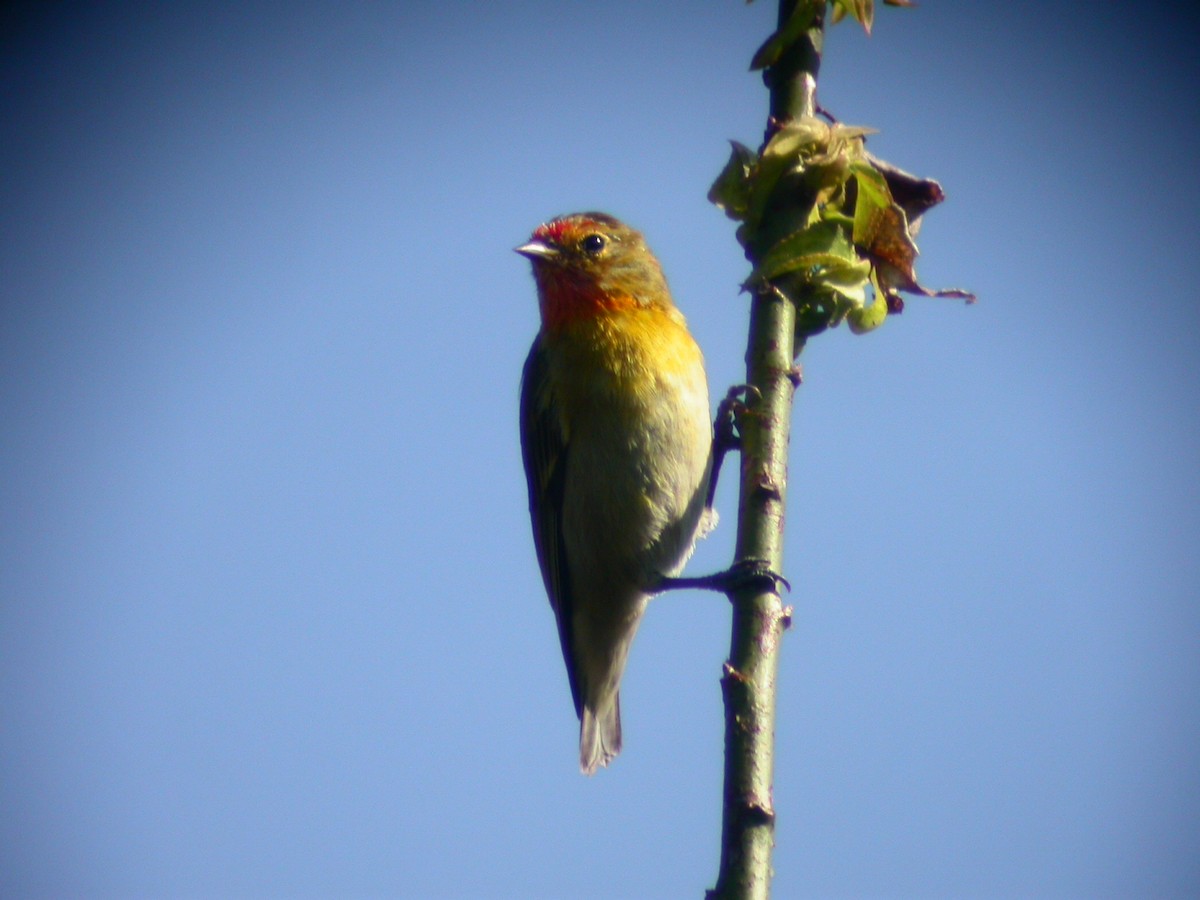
[{"x": 617, "y": 445}]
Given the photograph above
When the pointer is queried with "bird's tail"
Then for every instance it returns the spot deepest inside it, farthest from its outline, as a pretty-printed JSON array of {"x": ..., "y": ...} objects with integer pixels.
[{"x": 599, "y": 735}]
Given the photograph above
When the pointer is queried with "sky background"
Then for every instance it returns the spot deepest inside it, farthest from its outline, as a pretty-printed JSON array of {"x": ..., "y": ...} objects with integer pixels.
[{"x": 270, "y": 619}]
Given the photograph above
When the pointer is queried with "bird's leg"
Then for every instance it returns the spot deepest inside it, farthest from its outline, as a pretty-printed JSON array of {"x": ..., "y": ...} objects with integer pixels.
[
  {"x": 745, "y": 574},
  {"x": 726, "y": 434}
]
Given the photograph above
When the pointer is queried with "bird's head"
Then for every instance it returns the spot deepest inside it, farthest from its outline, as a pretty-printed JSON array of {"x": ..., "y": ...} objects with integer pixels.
[{"x": 588, "y": 263}]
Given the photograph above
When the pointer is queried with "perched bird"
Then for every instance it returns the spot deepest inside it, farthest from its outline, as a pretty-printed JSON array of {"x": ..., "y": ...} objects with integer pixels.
[{"x": 617, "y": 444}]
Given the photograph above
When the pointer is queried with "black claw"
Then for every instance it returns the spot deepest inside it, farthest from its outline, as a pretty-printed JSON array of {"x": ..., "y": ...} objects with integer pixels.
[
  {"x": 746, "y": 574},
  {"x": 726, "y": 436},
  {"x": 756, "y": 573}
]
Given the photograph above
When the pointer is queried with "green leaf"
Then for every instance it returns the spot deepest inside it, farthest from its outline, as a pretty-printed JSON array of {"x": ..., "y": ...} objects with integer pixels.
[
  {"x": 806, "y": 247},
  {"x": 916, "y": 196},
  {"x": 867, "y": 318},
  {"x": 801, "y": 19},
  {"x": 862, "y": 11},
  {"x": 800, "y": 137},
  {"x": 884, "y": 231},
  {"x": 827, "y": 167},
  {"x": 873, "y": 197},
  {"x": 881, "y": 229},
  {"x": 787, "y": 149},
  {"x": 820, "y": 252},
  {"x": 731, "y": 190},
  {"x": 846, "y": 279}
]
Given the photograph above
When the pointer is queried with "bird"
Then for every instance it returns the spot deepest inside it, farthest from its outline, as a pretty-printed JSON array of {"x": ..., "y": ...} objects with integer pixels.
[{"x": 616, "y": 440}]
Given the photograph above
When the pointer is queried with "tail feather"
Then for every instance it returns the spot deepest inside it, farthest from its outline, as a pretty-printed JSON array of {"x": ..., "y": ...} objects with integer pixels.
[{"x": 599, "y": 736}]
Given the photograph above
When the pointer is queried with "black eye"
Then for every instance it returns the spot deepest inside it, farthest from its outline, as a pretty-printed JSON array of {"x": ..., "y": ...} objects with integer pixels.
[{"x": 593, "y": 244}]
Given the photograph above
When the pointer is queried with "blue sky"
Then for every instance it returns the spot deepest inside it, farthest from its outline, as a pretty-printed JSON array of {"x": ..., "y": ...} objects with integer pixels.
[{"x": 270, "y": 618}]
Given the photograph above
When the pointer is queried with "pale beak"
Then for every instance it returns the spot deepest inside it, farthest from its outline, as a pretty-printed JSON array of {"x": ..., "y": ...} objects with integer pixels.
[{"x": 536, "y": 250}]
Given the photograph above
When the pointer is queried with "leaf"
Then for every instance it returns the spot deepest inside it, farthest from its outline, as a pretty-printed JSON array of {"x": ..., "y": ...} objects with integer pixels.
[
  {"x": 915, "y": 195},
  {"x": 892, "y": 279},
  {"x": 862, "y": 11},
  {"x": 883, "y": 232},
  {"x": 788, "y": 149},
  {"x": 731, "y": 190},
  {"x": 867, "y": 318},
  {"x": 889, "y": 244},
  {"x": 822, "y": 253},
  {"x": 880, "y": 225},
  {"x": 851, "y": 132},
  {"x": 827, "y": 167},
  {"x": 798, "y": 138},
  {"x": 847, "y": 280},
  {"x": 873, "y": 196},
  {"x": 808, "y": 246},
  {"x": 801, "y": 19}
]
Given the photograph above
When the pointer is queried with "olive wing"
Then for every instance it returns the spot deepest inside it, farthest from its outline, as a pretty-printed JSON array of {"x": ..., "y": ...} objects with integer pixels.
[{"x": 544, "y": 449}]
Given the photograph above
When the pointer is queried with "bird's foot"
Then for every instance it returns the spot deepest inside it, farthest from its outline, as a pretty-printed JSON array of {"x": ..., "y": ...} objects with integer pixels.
[
  {"x": 726, "y": 434},
  {"x": 743, "y": 575}
]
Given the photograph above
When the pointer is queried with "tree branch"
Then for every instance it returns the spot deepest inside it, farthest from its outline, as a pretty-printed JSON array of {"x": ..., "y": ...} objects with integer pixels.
[{"x": 759, "y": 616}]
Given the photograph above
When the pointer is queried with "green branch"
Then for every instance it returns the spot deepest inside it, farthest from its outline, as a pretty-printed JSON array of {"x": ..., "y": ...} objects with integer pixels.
[
  {"x": 825, "y": 226},
  {"x": 759, "y": 617}
]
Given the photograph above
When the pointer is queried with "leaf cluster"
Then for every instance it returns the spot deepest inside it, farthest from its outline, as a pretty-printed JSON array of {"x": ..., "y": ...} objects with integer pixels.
[
  {"x": 822, "y": 219},
  {"x": 804, "y": 15}
]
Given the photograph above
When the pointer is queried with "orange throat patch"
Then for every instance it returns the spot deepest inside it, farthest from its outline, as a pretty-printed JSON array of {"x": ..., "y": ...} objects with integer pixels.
[{"x": 564, "y": 300}]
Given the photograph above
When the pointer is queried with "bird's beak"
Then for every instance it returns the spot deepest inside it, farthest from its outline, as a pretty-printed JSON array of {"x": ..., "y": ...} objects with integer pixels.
[{"x": 536, "y": 250}]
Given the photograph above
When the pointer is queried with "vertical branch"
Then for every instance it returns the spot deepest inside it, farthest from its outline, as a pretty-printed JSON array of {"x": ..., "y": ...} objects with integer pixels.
[
  {"x": 759, "y": 617},
  {"x": 822, "y": 222},
  {"x": 792, "y": 80}
]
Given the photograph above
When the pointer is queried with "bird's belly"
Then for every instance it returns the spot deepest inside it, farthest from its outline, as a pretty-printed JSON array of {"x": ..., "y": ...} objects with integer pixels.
[{"x": 637, "y": 475}]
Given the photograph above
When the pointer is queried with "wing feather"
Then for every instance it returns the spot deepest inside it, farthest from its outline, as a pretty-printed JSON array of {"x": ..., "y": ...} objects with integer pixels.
[{"x": 544, "y": 451}]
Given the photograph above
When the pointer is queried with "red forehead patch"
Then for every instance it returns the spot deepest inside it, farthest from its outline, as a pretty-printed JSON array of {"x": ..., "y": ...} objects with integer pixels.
[{"x": 560, "y": 231}]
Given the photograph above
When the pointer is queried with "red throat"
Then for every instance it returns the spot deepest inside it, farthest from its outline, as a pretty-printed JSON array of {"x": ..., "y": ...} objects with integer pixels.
[{"x": 565, "y": 300}]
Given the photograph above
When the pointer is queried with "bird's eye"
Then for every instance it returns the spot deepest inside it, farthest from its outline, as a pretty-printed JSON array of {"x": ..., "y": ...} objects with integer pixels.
[{"x": 593, "y": 244}]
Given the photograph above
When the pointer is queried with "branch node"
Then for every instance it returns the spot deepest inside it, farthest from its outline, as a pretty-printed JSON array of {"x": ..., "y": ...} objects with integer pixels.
[
  {"x": 730, "y": 674},
  {"x": 757, "y": 812},
  {"x": 766, "y": 486}
]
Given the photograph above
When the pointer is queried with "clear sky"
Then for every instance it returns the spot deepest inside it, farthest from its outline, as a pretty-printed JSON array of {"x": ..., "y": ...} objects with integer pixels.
[{"x": 270, "y": 619}]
